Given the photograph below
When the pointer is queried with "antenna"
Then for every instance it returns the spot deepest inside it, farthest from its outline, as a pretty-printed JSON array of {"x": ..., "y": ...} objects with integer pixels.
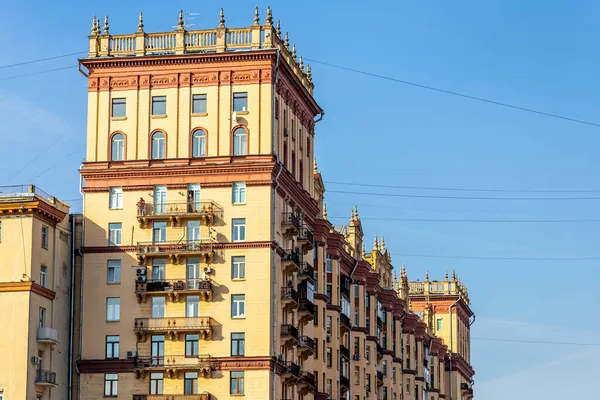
[{"x": 188, "y": 16}]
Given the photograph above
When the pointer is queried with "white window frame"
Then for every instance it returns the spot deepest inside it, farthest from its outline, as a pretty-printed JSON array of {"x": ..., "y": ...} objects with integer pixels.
[
  {"x": 238, "y": 306},
  {"x": 115, "y": 201},
  {"x": 45, "y": 237},
  {"x": 115, "y": 233},
  {"x": 238, "y": 229},
  {"x": 159, "y": 306},
  {"x": 44, "y": 275},
  {"x": 238, "y": 267},
  {"x": 115, "y": 267},
  {"x": 192, "y": 306},
  {"x": 113, "y": 309},
  {"x": 238, "y": 190},
  {"x": 438, "y": 324},
  {"x": 113, "y": 389},
  {"x": 201, "y": 98}
]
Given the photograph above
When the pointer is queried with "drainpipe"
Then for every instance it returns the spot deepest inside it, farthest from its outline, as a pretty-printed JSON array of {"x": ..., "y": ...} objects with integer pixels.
[
  {"x": 71, "y": 309},
  {"x": 321, "y": 115},
  {"x": 274, "y": 228},
  {"x": 451, "y": 344},
  {"x": 81, "y": 282}
]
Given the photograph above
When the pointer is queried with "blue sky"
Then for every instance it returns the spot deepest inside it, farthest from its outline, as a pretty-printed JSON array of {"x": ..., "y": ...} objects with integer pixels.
[{"x": 535, "y": 54}]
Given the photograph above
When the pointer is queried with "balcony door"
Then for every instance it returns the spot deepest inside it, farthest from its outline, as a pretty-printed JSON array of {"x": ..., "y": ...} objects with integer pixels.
[
  {"x": 160, "y": 199},
  {"x": 193, "y": 198},
  {"x": 193, "y": 275},
  {"x": 158, "y": 350}
]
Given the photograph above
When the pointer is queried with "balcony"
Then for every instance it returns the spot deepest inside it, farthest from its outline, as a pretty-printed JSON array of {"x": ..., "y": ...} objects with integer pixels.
[
  {"x": 201, "y": 396},
  {"x": 379, "y": 378},
  {"x": 379, "y": 351},
  {"x": 47, "y": 335},
  {"x": 289, "y": 334},
  {"x": 45, "y": 378},
  {"x": 175, "y": 250},
  {"x": 175, "y": 213},
  {"x": 345, "y": 322},
  {"x": 173, "y": 326},
  {"x": 306, "y": 346},
  {"x": 306, "y": 383},
  {"x": 172, "y": 364},
  {"x": 379, "y": 322},
  {"x": 306, "y": 310},
  {"x": 345, "y": 352},
  {"x": 289, "y": 298},
  {"x": 344, "y": 384},
  {"x": 306, "y": 272},
  {"x": 345, "y": 285},
  {"x": 290, "y": 224},
  {"x": 173, "y": 288},
  {"x": 290, "y": 261},
  {"x": 305, "y": 238},
  {"x": 291, "y": 371}
]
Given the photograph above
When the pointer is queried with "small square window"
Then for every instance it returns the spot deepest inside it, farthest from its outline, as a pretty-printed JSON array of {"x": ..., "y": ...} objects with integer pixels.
[
  {"x": 240, "y": 101},
  {"x": 119, "y": 108},
  {"x": 238, "y": 306},
  {"x": 159, "y": 105},
  {"x": 238, "y": 229},
  {"x": 239, "y": 193},
  {"x": 199, "y": 104}
]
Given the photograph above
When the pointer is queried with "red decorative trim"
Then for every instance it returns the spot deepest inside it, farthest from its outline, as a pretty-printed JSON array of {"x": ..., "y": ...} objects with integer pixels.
[
  {"x": 333, "y": 307},
  {"x": 320, "y": 296},
  {"x": 135, "y": 188},
  {"x": 360, "y": 329},
  {"x": 177, "y": 186},
  {"x": 104, "y": 366}
]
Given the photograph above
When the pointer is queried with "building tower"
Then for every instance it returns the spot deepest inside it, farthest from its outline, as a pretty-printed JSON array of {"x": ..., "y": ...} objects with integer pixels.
[
  {"x": 35, "y": 294},
  {"x": 199, "y": 210}
]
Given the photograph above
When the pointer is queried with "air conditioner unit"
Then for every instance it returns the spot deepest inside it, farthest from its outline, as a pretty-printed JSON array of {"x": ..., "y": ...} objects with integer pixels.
[
  {"x": 208, "y": 270},
  {"x": 131, "y": 354},
  {"x": 357, "y": 357},
  {"x": 153, "y": 249},
  {"x": 329, "y": 338},
  {"x": 141, "y": 278},
  {"x": 35, "y": 360},
  {"x": 142, "y": 250},
  {"x": 140, "y": 271}
]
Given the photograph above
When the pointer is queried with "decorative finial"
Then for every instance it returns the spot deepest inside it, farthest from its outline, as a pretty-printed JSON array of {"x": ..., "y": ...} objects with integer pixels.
[
  {"x": 309, "y": 73},
  {"x": 375, "y": 244},
  {"x": 180, "y": 20},
  {"x": 355, "y": 212},
  {"x": 94, "y": 25},
  {"x": 325, "y": 211},
  {"x": 382, "y": 243},
  {"x": 279, "y": 28},
  {"x": 453, "y": 275},
  {"x": 294, "y": 52},
  {"x": 395, "y": 276},
  {"x": 105, "y": 25},
  {"x": 446, "y": 277},
  {"x": 426, "y": 275},
  {"x": 301, "y": 64},
  {"x": 286, "y": 42},
  {"x": 221, "y": 19},
  {"x": 269, "y": 16},
  {"x": 141, "y": 23},
  {"x": 402, "y": 271},
  {"x": 256, "y": 17},
  {"x": 315, "y": 169}
]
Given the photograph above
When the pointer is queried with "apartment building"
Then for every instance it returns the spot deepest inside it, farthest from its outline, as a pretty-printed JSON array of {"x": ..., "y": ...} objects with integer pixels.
[
  {"x": 210, "y": 268},
  {"x": 35, "y": 294}
]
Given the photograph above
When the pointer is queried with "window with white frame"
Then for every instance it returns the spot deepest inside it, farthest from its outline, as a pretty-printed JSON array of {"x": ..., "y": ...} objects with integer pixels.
[
  {"x": 238, "y": 306},
  {"x": 44, "y": 276},
  {"x": 113, "y": 308},
  {"x": 159, "y": 231},
  {"x": 158, "y": 307},
  {"x": 438, "y": 326},
  {"x": 111, "y": 384},
  {"x": 116, "y": 198},
  {"x": 198, "y": 104},
  {"x": 238, "y": 267},
  {"x": 240, "y": 138},
  {"x": 156, "y": 383},
  {"x": 117, "y": 147},
  {"x": 192, "y": 306},
  {"x": 328, "y": 264},
  {"x": 114, "y": 234},
  {"x": 199, "y": 143},
  {"x": 238, "y": 229},
  {"x": 158, "y": 145},
  {"x": 159, "y": 269},
  {"x": 114, "y": 271},
  {"x": 112, "y": 347},
  {"x": 239, "y": 192},
  {"x": 45, "y": 237}
]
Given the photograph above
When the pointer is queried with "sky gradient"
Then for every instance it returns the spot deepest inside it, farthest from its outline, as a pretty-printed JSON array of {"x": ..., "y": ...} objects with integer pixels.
[{"x": 541, "y": 55}]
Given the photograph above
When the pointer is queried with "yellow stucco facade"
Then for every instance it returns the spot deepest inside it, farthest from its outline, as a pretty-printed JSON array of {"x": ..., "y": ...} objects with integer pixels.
[
  {"x": 210, "y": 269},
  {"x": 35, "y": 294}
]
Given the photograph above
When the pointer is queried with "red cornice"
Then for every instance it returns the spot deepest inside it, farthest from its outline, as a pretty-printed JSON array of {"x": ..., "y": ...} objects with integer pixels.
[{"x": 333, "y": 307}]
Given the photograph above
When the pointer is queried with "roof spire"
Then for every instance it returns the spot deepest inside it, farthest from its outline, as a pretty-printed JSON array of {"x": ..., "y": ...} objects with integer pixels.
[
  {"x": 141, "y": 23},
  {"x": 105, "y": 25},
  {"x": 325, "y": 211},
  {"x": 256, "y": 17},
  {"x": 315, "y": 170},
  {"x": 180, "y": 24},
  {"x": 309, "y": 73},
  {"x": 382, "y": 243},
  {"x": 301, "y": 64},
  {"x": 294, "y": 52},
  {"x": 426, "y": 275},
  {"x": 375, "y": 244},
  {"x": 94, "y": 26},
  {"x": 403, "y": 272},
  {"x": 453, "y": 276},
  {"x": 269, "y": 20},
  {"x": 221, "y": 19},
  {"x": 279, "y": 28},
  {"x": 286, "y": 41},
  {"x": 446, "y": 277}
]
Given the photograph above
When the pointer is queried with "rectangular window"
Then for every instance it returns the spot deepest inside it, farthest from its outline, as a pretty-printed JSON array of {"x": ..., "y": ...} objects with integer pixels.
[
  {"x": 240, "y": 101},
  {"x": 159, "y": 105},
  {"x": 192, "y": 306},
  {"x": 115, "y": 200},
  {"x": 156, "y": 383},
  {"x": 237, "y": 382},
  {"x": 238, "y": 343},
  {"x": 238, "y": 306},
  {"x": 238, "y": 229},
  {"x": 238, "y": 267},
  {"x": 199, "y": 104},
  {"x": 44, "y": 276},
  {"x": 190, "y": 383},
  {"x": 438, "y": 326},
  {"x": 159, "y": 232},
  {"x": 384, "y": 368},
  {"x": 42, "y": 317},
  {"x": 356, "y": 294},
  {"x": 368, "y": 354},
  {"x": 328, "y": 293},
  {"x": 329, "y": 324},
  {"x": 357, "y": 375},
  {"x": 119, "y": 108},
  {"x": 113, "y": 308},
  {"x": 158, "y": 307},
  {"x": 239, "y": 193},
  {"x": 356, "y": 317},
  {"x": 191, "y": 345},
  {"x": 368, "y": 379},
  {"x": 329, "y": 360},
  {"x": 316, "y": 317},
  {"x": 316, "y": 348},
  {"x": 329, "y": 388},
  {"x": 111, "y": 385},
  {"x": 112, "y": 347},
  {"x": 328, "y": 264},
  {"x": 114, "y": 234},
  {"x": 45, "y": 237},
  {"x": 357, "y": 346},
  {"x": 408, "y": 386},
  {"x": 159, "y": 269},
  {"x": 114, "y": 271}
]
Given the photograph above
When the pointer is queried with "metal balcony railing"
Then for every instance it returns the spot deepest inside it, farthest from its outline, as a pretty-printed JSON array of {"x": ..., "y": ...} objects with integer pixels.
[
  {"x": 45, "y": 378},
  {"x": 379, "y": 378},
  {"x": 305, "y": 234},
  {"x": 307, "y": 379},
  {"x": 182, "y": 208},
  {"x": 202, "y": 362},
  {"x": 306, "y": 342},
  {"x": 289, "y": 293},
  {"x": 173, "y": 287},
  {"x": 344, "y": 383},
  {"x": 201, "y": 396},
  {"x": 172, "y": 326},
  {"x": 345, "y": 321},
  {"x": 289, "y": 331},
  {"x": 291, "y": 368},
  {"x": 344, "y": 351},
  {"x": 379, "y": 350},
  {"x": 290, "y": 220},
  {"x": 307, "y": 306},
  {"x": 306, "y": 271}
]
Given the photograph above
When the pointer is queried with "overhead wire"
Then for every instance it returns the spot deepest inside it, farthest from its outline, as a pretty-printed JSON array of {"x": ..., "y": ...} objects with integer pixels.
[
  {"x": 38, "y": 60},
  {"x": 488, "y": 221},
  {"x": 422, "y": 196},
  {"x": 535, "y": 341}
]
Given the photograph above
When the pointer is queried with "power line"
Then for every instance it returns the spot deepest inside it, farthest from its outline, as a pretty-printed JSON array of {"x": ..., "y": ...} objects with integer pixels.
[
  {"x": 466, "y": 96},
  {"x": 461, "y": 197},
  {"x": 508, "y": 221},
  {"x": 536, "y": 341},
  {"x": 498, "y": 258},
  {"x": 462, "y": 189},
  {"x": 40, "y": 60},
  {"x": 36, "y": 73}
]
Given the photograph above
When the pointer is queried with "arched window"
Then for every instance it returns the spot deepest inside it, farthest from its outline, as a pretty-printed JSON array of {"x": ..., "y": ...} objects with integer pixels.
[
  {"x": 117, "y": 147},
  {"x": 240, "y": 138},
  {"x": 199, "y": 143},
  {"x": 158, "y": 145}
]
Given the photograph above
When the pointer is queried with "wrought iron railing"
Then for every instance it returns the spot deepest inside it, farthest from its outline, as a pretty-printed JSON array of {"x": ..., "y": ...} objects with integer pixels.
[
  {"x": 289, "y": 293},
  {"x": 173, "y": 285},
  {"x": 289, "y": 330}
]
